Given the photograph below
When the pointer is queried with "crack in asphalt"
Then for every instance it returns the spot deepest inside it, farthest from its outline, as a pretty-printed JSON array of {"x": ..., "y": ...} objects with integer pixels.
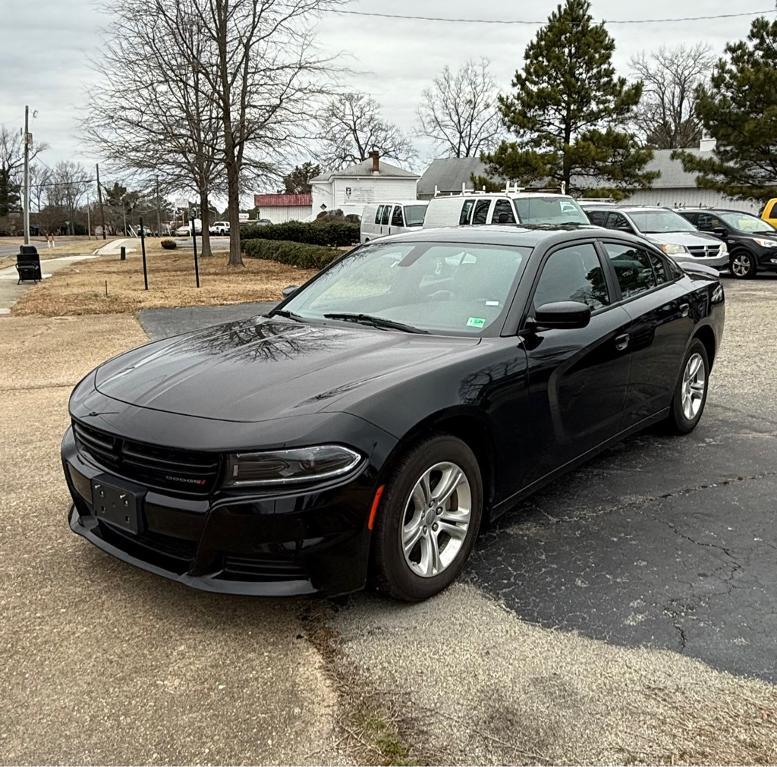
[{"x": 636, "y": 503}]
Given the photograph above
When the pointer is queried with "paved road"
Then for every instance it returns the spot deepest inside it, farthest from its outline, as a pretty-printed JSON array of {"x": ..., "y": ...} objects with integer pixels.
[{"x": 663, "y": 542}]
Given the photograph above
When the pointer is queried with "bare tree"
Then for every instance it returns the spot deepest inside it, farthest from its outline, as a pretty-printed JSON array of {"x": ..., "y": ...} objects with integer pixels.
[
  {"x": 460, "y": 111},
  {"x": 264, "y": 74},
  {"x": 148, "y": 113},
  {"x": 69, "y": 182},
  {"x": 11, "y": 166},
  {"x": 40, "y": 181},
  {"x": 351, "y": 127},
  {"x": 665, "y": 116}
]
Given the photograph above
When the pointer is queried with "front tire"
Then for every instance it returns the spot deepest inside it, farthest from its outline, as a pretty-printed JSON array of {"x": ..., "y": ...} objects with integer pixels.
[
  {"x": 743, "y": 265},
  {"x": 428, "y": 519},
  {"x": 691, "y": 391}
]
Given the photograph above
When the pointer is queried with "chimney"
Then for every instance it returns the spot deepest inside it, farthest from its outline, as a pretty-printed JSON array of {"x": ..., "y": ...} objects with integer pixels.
[
  {"x": 707, "y": 143},
  {"x": 375, "y": 156}
]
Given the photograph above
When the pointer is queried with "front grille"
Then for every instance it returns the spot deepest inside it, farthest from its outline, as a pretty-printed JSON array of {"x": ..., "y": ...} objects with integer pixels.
[
  {"x": 185, "y": 472},
  {"x": 703, "y": 251},
  {"x": 263, "y": 568}
]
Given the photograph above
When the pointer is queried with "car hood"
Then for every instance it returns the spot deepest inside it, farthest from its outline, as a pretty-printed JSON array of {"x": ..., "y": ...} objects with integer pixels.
[
  {"x": 683, "y": 238},
  {"x": 258, "y": 369}
]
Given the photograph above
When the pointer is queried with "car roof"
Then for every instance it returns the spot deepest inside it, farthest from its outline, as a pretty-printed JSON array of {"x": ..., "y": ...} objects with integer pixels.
[
  {"x": 698, "y": 209},
  {"x": 504, "y": 235},
  {"x": 490, "y": 195},
  {"x": 624, "y": 208}
]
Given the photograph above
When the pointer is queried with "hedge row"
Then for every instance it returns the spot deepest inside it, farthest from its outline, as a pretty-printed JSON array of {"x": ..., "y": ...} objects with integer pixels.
[
  {"x": 293, "y": 253},
  {"x": 334, "y": 233}
]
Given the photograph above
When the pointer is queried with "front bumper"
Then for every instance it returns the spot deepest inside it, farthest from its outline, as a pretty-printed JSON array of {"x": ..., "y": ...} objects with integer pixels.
[
  {"x": 312, "y": 541},
  {"x": 716, "y": 262}
]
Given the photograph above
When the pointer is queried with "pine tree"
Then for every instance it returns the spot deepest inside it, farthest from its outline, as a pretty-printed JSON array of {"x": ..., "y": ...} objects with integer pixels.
[
  {"x": 298, "y": 181},
  {"x": 739, "y": 110},
  {"x": 569, "y": 111},
  {"x": 9, "y": 193}
]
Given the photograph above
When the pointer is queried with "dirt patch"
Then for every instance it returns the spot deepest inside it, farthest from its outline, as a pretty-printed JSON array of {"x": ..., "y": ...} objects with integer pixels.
[{"x": 109, "y": 286}]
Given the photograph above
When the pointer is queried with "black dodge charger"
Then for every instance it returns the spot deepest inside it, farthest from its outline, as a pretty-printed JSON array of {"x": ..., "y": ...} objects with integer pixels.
[{"x": 364, "y": 430}]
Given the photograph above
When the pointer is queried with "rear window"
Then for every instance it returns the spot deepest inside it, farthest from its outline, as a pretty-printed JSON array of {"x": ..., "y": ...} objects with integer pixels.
[{"x": 549, "y": 210}]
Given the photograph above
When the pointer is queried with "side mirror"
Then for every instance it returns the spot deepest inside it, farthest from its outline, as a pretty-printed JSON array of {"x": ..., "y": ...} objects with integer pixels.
[
  {"x": 719, "y": 231},
  {"x": 562, "y": 315},
  {"x": 289, "y": 291}
]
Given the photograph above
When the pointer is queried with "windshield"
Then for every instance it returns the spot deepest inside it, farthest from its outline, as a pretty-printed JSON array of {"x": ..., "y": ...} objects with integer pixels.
[
  {"x": 549, "y": 210},
  {"x": 747, "y": 222},
  {"x": 414, "y": 215},
  {"x": 437, "y": 287},
  {"x": 658, "y": 221}
]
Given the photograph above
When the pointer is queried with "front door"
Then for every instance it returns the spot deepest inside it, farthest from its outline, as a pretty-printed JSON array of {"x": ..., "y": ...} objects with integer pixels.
[{"x": 578, "y": 378}]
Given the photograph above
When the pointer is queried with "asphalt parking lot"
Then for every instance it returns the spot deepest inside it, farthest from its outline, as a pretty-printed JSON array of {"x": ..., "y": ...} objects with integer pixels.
[{"x": 627, "y": 614}]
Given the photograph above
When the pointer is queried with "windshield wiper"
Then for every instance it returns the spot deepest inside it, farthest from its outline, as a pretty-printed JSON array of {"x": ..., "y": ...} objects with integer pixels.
[
  {"x": 285, "y": 313},
  {"x": 376, "y": 322}
]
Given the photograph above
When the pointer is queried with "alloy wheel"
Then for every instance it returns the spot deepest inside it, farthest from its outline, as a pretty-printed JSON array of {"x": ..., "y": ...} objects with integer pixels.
[
  {"x": 436, "y": 519},
  {"x": 740, "y": 265},
  {"x": 693, "y": 386}
]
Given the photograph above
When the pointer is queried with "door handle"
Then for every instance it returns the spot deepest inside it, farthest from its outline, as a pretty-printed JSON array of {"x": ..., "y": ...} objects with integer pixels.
[
  {"x": 685, "y": 309},
  {"x": 621, "y": 342}
]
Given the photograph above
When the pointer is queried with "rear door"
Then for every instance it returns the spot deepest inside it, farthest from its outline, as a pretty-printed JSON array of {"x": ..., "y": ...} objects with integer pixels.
[
  {"x": 660, "y": 326},
  {"x": 578, "y": 378}
]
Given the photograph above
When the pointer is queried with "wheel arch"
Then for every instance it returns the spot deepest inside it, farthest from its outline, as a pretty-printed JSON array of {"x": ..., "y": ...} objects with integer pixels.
[
  {"x": 468, "y": 425},
  {"x": 706, "y": 335}
]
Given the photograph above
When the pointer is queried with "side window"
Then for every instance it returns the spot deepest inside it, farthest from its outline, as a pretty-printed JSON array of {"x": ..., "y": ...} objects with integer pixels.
[
  {"x": 480, "y": 216},
  {"x": 705, "y": 222},
  {"x": 396, "y": 217},
  {"x": 618, "y": 221},
  {"x": 573, "y": 274},
  {"x": 386, "y": 214},
  {"x": 378, "y": 214},
  {"x": 597, "y": 217},
  {"x": 503, "y": 212},
  {"x": 660, "y": 269},
  {"x": 691, "y": 217},
  {"x": 466, "y": 210},
  {"x": 633, "y": 268}
]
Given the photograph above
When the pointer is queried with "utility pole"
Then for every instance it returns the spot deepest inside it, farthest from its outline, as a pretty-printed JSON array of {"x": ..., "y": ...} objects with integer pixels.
[
  {"x": 100, "y": 198},
  {"x": 27, "y": 142},
  {"x": 158, "y": 211},
  {"x": 88, "y": 220}
]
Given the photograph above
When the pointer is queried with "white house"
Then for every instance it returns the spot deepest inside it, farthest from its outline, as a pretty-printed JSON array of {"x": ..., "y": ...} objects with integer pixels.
[
  {"x": 351, "y": 188},
  {"x": 280, "y": 208}
]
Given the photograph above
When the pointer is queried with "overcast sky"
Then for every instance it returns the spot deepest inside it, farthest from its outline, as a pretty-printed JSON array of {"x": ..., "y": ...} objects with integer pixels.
[{"x": 44, "y": 45}]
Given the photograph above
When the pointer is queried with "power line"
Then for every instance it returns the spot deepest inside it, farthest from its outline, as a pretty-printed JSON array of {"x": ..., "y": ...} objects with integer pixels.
[{"x": 528, "y": 22}]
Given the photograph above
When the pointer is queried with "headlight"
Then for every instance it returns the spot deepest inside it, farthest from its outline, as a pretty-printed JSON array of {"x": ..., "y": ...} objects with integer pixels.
[
  {"x": 723, "y": 249},
  {"x": 276, "y": 467},
  {"x": 766, "y": 243},
  {"x": 673, "y": 249}
]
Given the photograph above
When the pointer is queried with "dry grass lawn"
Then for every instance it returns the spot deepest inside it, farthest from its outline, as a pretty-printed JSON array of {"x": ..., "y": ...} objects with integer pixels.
[{"x": 108, "y": 285}]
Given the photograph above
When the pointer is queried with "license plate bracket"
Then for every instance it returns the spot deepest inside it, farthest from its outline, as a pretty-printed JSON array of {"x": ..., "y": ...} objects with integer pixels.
[{"x": 117, "y": 505}]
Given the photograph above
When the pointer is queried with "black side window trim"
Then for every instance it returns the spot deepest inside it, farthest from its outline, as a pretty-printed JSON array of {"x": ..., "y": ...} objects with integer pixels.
[{"x": 610, "y": 271}]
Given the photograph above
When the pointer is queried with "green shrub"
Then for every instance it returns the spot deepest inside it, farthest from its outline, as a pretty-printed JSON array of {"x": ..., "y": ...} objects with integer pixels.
[
  {"x": 168, "y": 244},
  {"x": 333, "y": 233},
  {"x": 292, "y": 253}
]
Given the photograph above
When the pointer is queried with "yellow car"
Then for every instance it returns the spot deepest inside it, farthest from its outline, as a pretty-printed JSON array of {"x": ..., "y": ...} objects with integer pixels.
[{"x": 769, "y": 211}]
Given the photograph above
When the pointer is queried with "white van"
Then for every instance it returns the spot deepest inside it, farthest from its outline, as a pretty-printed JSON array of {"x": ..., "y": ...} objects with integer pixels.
[
  {"x": 379, "y": 219},
  {"x": 478, "y": 208}
]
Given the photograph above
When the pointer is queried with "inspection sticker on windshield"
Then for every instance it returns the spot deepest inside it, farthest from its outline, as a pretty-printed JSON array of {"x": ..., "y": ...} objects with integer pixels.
[{"x": 475, "y": 322}]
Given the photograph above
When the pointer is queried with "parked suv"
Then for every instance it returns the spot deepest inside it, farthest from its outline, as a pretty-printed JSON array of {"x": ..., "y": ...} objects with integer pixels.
[
  {"x": 673, "y": 234},
  {"x": 479, "y": 209},
  {"x": 751, "y": 241}
]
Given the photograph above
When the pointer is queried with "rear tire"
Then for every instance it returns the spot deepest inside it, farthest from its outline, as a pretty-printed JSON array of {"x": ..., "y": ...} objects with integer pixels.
[
  {"x": 743, "y": 265},
  {"x": 428, "y": 519},
  {"x": 690, "y": 394}
]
